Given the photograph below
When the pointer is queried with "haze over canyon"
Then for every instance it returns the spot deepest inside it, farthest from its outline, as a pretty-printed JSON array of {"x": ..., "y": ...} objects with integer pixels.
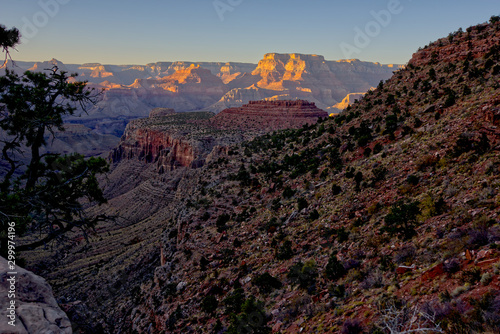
[{"x": 132, "y": 91}]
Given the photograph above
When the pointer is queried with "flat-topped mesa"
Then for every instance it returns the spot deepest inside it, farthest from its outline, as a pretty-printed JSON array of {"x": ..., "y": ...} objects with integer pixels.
[
  {"x": 285, "y": 103},
  {"x": 161, "y": 112},
  {"x": 269, "y": 115}
]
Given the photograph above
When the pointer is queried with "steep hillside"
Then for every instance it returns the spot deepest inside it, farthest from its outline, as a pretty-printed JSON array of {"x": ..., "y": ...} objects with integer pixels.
[{"x": 387, "y": 210}]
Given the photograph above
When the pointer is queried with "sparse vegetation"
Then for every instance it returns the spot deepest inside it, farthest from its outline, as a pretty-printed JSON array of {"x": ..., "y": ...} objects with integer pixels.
[
  {"x": 401, "y": 219},
  {"x": 395, "y": 196}
]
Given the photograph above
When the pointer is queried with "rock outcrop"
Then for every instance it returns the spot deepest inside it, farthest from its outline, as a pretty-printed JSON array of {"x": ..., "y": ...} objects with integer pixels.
[
  {"x": 36, "y": 309},
  {"x": 347, "y": 101},
  {"x": 165, "y": 140},
  {"x": 161, "y": 112},
  {"x": 173, "y": 140}
]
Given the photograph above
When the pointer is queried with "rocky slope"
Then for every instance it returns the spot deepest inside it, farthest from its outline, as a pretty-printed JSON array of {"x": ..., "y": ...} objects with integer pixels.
[
  {"x": 387, "y": 210},
  {"x": 153, "y": 167}
]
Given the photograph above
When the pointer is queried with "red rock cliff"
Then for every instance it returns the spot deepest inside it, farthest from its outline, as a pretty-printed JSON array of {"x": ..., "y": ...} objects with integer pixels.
[{"x": 164, "y": 141}]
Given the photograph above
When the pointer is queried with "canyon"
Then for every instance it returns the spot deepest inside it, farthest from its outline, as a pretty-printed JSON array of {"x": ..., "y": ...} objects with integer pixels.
[
  {"x": 387, "y": 209},
  {"x": 131, "y": 91},
  {"x": 174, "y": 140}
]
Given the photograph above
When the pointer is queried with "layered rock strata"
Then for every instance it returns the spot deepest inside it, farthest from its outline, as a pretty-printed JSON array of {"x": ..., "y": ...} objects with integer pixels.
[
  {"x": 269, "y": 115},
  {"x": 173, "y": 140}
]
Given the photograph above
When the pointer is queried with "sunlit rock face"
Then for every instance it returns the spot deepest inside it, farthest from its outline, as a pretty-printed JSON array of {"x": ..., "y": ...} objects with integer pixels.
[
  {"x": 347, "y": 101},
  {"x": 308, "y": 77}
]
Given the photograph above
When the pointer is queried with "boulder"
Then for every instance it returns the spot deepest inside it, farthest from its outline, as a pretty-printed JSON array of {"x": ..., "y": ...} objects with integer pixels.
[{"x": 36, "y": 310}]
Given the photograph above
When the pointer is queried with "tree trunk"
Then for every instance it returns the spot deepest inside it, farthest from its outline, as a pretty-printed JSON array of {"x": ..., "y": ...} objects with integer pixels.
[{"x": 34, "y": 165}]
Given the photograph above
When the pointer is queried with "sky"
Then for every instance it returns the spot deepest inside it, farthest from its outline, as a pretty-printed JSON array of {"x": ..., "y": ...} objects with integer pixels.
[{"x": 141, "y": 32}]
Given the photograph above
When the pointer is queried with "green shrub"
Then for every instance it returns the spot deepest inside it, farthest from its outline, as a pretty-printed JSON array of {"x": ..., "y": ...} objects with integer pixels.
[
  {"x": 391, "y": 124},
  {"x": 471, "y": 276},
  {"x": 401, "y": 220},
  {"x": 234, "y": 300},
  {"x": 431, "y": 207},
  {"x": 379, "y": 174},
  {"x": 377, "y": 148},
  {"x": 342, "y": 235},
  {"x": 288, "y": 192},
  {"x": 334, "y": 269},
  {"x": 314, "y": 215},
  {"x": 243, "y": 176},
  {"x": 486, "y": 278},
  {"x": 336, "y": 189},
  {"x": 285, "y": 252},
  {"x": 303, "y": 274},
  {"x": 252, "y": 319},
  {"x": 413, "y": 179},
  {"x": 204, "y": 263},
  {"x": 221, "y": 222},
  {"x": 352, "y": 327},
  {"x": 358, "y": 177},
  {"x": 337, "y": 290},
  {"x": 266, "y": 283},
  {"x": 301, "y": 204},
  {"x": 450, "y": 99}
]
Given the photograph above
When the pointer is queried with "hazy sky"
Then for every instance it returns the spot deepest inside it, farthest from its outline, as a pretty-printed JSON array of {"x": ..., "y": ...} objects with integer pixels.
[{"x": 140, "y": 32}]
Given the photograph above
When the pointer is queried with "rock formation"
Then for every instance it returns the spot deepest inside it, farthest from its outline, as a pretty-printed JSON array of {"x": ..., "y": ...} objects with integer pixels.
[
  {"x": 161, "y": 112},
  {"x": 269, "y": 115},
  {"x": 130, "y": 91},
  {"x": 309, "y": 77},
  {"x": 347, "y": 101},
  {"x": 35, "y": 306},
  {"x": 173, "y": 140},
  {"x": 167, "y": 140}
]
